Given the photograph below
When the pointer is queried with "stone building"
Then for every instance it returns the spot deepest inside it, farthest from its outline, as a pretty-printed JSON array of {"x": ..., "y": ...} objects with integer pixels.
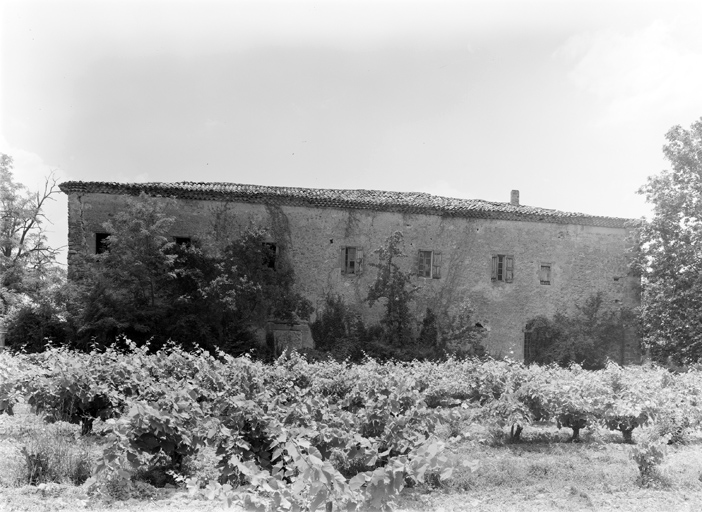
[{"x": 508, "y": 262}]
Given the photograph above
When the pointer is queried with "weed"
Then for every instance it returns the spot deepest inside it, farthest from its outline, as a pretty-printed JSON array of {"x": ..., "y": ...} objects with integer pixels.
[
  {"x": 496, "y": 436},
  {"x": 649, "y": 454},
  {"x": 50, "y": 453}
]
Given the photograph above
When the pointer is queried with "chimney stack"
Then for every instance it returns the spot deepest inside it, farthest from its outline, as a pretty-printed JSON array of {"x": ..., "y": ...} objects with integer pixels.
[{"x": 514, "y": 199}]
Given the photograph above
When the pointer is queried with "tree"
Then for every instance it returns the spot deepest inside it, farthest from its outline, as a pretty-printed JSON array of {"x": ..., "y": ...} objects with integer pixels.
[
  {"x": 30, "y": 282},
  {"x": 589, "y": 337},
  {"x": 127, "y": 288},
  {"x": 670, "y": 258},
  {"x": 150, "y": 288},
  {"x": 393, "y": 285},
  {"x": 23, "y": 247}
]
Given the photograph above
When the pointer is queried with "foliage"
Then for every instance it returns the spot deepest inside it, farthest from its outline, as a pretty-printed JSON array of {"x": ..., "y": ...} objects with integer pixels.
[
  {"x": 47, "y": 453},
  {"x": 586, "y": 338},
  {"x": 339, "y": 333},
  {"x": 458, "y": 334},
  {"x": 632, "y": 399},
  {"x": 41, "y": 315},
  {"x": 299, "y": 435},
  {"x": 429, "y": 332},
  {"x": 31, "y": 306},
  {"x": 333, "y": 324},
  {"x": 148, "y": 287},
  {"x": 127, "y": 288},
  {"x": 649, "y": 454},
  {"x": 670, "y": 259},
  {"x": 392, "y": 284},
  {"x": 23, "y": 249}
]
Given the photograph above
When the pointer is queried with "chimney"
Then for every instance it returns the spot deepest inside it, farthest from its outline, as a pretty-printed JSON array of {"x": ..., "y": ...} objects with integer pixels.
[{"x": 514, "y": 199}]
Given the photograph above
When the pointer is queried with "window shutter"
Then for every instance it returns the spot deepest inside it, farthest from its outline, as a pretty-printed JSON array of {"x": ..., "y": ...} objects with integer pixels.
[
  {"x": 545, "y": 274},
  {"x": 509, "y": 265},
  {"x": 359, "y": 260},
  {"x": 418, "y": 264},
  {"x": 342, "y": 260},
  {"x": 436, "y": 266},
  {"x": 494, "y": 268}
]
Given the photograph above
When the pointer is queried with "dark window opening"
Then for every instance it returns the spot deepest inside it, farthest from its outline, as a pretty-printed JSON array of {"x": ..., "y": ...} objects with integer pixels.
[
  {"x": 101, "y": 244},
  {"x": 270, "y": 255},
  {"x": 503, "y": 268},
  {"x": 183, "y": 240}
]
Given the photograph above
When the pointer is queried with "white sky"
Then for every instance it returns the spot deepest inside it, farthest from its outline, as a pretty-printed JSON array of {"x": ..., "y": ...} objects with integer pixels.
[{"x": 566, "y": 101}]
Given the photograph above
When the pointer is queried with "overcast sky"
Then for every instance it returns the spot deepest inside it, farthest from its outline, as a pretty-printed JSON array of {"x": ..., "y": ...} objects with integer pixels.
[{"x": 566, "y": 101}]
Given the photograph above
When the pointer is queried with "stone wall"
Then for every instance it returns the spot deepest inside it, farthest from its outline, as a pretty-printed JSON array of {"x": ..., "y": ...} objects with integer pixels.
[{"x": 583, "y": 259}]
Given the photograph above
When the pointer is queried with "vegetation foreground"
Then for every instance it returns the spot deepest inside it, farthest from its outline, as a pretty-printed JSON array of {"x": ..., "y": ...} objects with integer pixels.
[{"x": 178, "y": 430}]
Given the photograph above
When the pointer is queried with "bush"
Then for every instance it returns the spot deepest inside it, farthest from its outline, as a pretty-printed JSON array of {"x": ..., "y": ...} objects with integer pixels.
[
  {"x": 32, "y": 326},
  {"x": 332, "y": 323},
  {"x": 586, "y": 338},
  {"x": 649, "y": 454}
]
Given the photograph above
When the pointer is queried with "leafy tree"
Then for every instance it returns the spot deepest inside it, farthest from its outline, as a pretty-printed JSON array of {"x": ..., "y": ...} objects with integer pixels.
[
  {"x": 332, "y": 324},
  {"x": 23, "y": 247},
  {"x": 252, "y": 283},
  {"x": 39, "y": 315},
  {"x": 458, "y": 334},
  {"x": 393, "y": 285},
  {"x": 148, "y": 287},
  {"x": 429, "y": 333},
  {"x": 670, "y": 258},
  {"x": 31, "y": 284},
  {"x": 126, "y": 289}
]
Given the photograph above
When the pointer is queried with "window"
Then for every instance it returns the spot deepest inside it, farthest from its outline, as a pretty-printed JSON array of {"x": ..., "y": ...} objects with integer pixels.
[
  {"x": 503, "y": 268},
  {"x": 429, "y": 264},
  {"x": 351, "y": 260},
  {"x": 101, "y": 244},
  {"x": 182, "y": 240},
  {"x": 545, "y": 273},
  {"x": 270, "y": 255}
]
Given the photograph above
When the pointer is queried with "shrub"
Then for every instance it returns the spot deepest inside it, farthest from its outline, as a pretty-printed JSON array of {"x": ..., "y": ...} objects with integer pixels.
[
  {"x": 649, "y": 454},
  {"x": 585, "y": 338},
  {"x": 331, "y": 324},
  {"x": 33, "y": 325}
]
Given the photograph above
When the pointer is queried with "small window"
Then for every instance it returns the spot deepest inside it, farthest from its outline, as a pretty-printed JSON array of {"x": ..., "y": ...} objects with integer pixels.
[
  {"x": 503, "y": 268},
  {"x": 101, "y": 243},
  {"x": 183, "y": 240},
  {"x": 429, "y": 264},
  {"x": 351, "y": 260},
  {"x": 270, "y": 255},
  {"x": 545, "y": 273}
]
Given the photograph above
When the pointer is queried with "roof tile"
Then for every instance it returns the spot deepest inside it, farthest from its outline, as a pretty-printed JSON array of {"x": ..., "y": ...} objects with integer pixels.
[{"x": 401, "y": 202}]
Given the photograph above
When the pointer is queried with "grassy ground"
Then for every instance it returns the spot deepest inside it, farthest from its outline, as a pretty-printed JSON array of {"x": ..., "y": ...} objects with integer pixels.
[
  {"x": 542, "y": 473},
  {"x": 547, "y": 473}
]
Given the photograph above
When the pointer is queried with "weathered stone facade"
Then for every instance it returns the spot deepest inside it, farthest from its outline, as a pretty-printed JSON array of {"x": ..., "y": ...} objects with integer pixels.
[{"x": 510, "y": 262}]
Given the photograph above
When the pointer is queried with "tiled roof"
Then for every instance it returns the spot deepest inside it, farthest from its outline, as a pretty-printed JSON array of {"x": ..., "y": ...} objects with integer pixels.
[{"x": 402, "y": 202}]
